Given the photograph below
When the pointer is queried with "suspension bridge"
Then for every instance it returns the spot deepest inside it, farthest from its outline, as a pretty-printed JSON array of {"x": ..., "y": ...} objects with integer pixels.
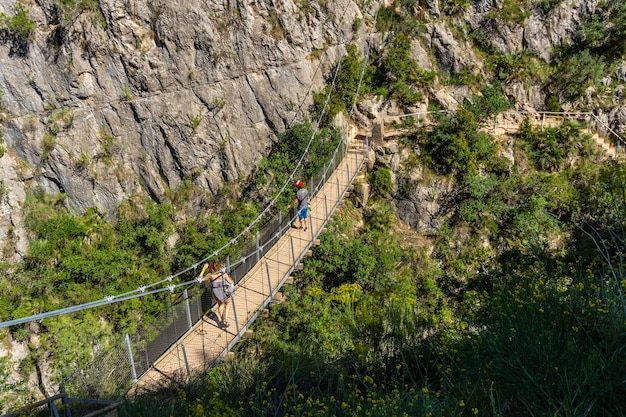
[
  {"x": 189, "y": 339},
  {"x": 206, "y": 342}
]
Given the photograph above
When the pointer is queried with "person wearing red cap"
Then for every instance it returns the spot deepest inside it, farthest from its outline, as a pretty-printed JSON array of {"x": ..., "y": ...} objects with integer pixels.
[{"x": 302, "y": 203}]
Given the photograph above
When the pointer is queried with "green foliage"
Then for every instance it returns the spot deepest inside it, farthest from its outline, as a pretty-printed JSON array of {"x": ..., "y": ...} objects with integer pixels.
[
  {"x": 397, "y": 63},
  {"x": 71, "y": 342},
  {"x": 519, "y": 211},
  {"x": 490, "y": 102},
  {"x": 127, "y": 93},
  {"x": 76, "y": 256},
  {"x": 368, "y": 260},
  {"x": 551, "y": 330},
  {"x": 73, "y": 8},
  {"x": 574, "y": 73},
  {"x": 466, "y": 77},
  {"x": 548, "y": 5},
  {"x": 514, "y": 11},
  {"x": 274, "y": 170},
  {"x": 20, "y": 24},
  {"x": 452, "y": 7},
  {"x": 398, "y": 18},
  {"x": 399, "y": 74},
  {"x": 386, "y": 19},
  {"x": 109, "y": 145},
  {"x": 75, "y": 259},
  {"x": 605, "y": 30},
  {"x": 8, "y": 386},
  {"x": 553, "y": 104},
  {"x": 605, "y": 187},
  {"x": 195, "y": 121},
  {"x": 550, "y": 147},
  {"x": 523, "y": 66},
  {"x": 383, "y": 185},
  {"x": 353, "y": 73},
  {"x": 48, "y": 142},
  {"x": 447, "y": 148}
]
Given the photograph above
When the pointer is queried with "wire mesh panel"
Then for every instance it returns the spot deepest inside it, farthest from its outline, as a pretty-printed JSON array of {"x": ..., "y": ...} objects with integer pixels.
[
  {"x": 247, "y": 261},
  {"x": 149, "y": 344},
  {"x": 270, "y": 235},
  {"x": 107, "y": 377}
]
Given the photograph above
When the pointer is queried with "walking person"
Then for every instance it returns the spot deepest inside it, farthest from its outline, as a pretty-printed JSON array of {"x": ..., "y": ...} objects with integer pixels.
[
  {"x": 302, "y": 204},
  {"x": 221, "y": 286}
]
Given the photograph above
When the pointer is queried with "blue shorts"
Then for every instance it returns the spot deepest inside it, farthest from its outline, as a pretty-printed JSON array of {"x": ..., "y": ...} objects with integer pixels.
[{"x": 302, "y": 213}]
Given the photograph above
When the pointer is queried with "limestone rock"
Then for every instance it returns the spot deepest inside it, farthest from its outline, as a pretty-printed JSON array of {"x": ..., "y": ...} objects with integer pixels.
[{"x": 134, "y": 97}]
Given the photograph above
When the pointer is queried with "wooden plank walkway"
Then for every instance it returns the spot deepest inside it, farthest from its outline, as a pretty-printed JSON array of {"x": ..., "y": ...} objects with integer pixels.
[{"x": 205, "y": 343}]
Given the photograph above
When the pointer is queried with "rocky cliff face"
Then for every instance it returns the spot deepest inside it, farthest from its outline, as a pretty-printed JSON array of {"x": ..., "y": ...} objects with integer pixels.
[
  {"x": 132, "y": 97},
  {"x": 114, "y": 99}
]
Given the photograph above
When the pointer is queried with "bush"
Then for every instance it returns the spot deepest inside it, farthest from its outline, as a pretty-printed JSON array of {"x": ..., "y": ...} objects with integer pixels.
[
  {"x": 20, "y": 24},
  {"x": 574, "y": 73},
  {"x": 383, "y": 185},
  {"x": 491, "y": 101},
  {"x": 353, "y": 74}
]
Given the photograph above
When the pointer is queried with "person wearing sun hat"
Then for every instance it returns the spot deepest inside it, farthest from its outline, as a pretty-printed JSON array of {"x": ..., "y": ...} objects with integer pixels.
[{"x": 302, "y": 203}]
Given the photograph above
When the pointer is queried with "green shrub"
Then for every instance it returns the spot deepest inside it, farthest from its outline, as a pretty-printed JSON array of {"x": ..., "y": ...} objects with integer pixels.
[
  {"x": 382, "y": 183},
  {"x": 447, "y": 147},
  {"x": 398, "y": 18},
  {"x": 514, "y": 11},
  {"x": 353, "y": 74},
  {"x": 553, "y": 104},
  {"x": 452, "y": 7},
  {"x": 605, "y": 30},
  {"x": 491, "y": 101},
  {"x": 574, "y": 73},
  {"x": 549, "y": 147},
  {"x": 20, "y": 24}
]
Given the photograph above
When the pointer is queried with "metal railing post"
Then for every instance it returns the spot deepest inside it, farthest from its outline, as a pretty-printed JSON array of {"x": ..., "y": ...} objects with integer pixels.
[
  {"x": 269, "y": 280},
  {"x": 233, "y": 301},
  {"x": 53, "y": 409},
  {"x": 543, "y": 120},
  {"x": 187, "y": 308},
  {"x": 129, "y": 352},
  {"x": 258, "y": 258},
  {"x": 66, "y": 405},
  {"x": 182, "y": 345},
  {"x": 325, "y": 207},
  {"x": 293, "y": 252},
  {"x": 235, "y": 315}
]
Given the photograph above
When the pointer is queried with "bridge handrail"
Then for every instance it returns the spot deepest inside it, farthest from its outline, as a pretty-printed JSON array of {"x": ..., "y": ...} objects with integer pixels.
[
  {"x": 621, "y": 142},
  {"x": 590, "y": 115}
]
